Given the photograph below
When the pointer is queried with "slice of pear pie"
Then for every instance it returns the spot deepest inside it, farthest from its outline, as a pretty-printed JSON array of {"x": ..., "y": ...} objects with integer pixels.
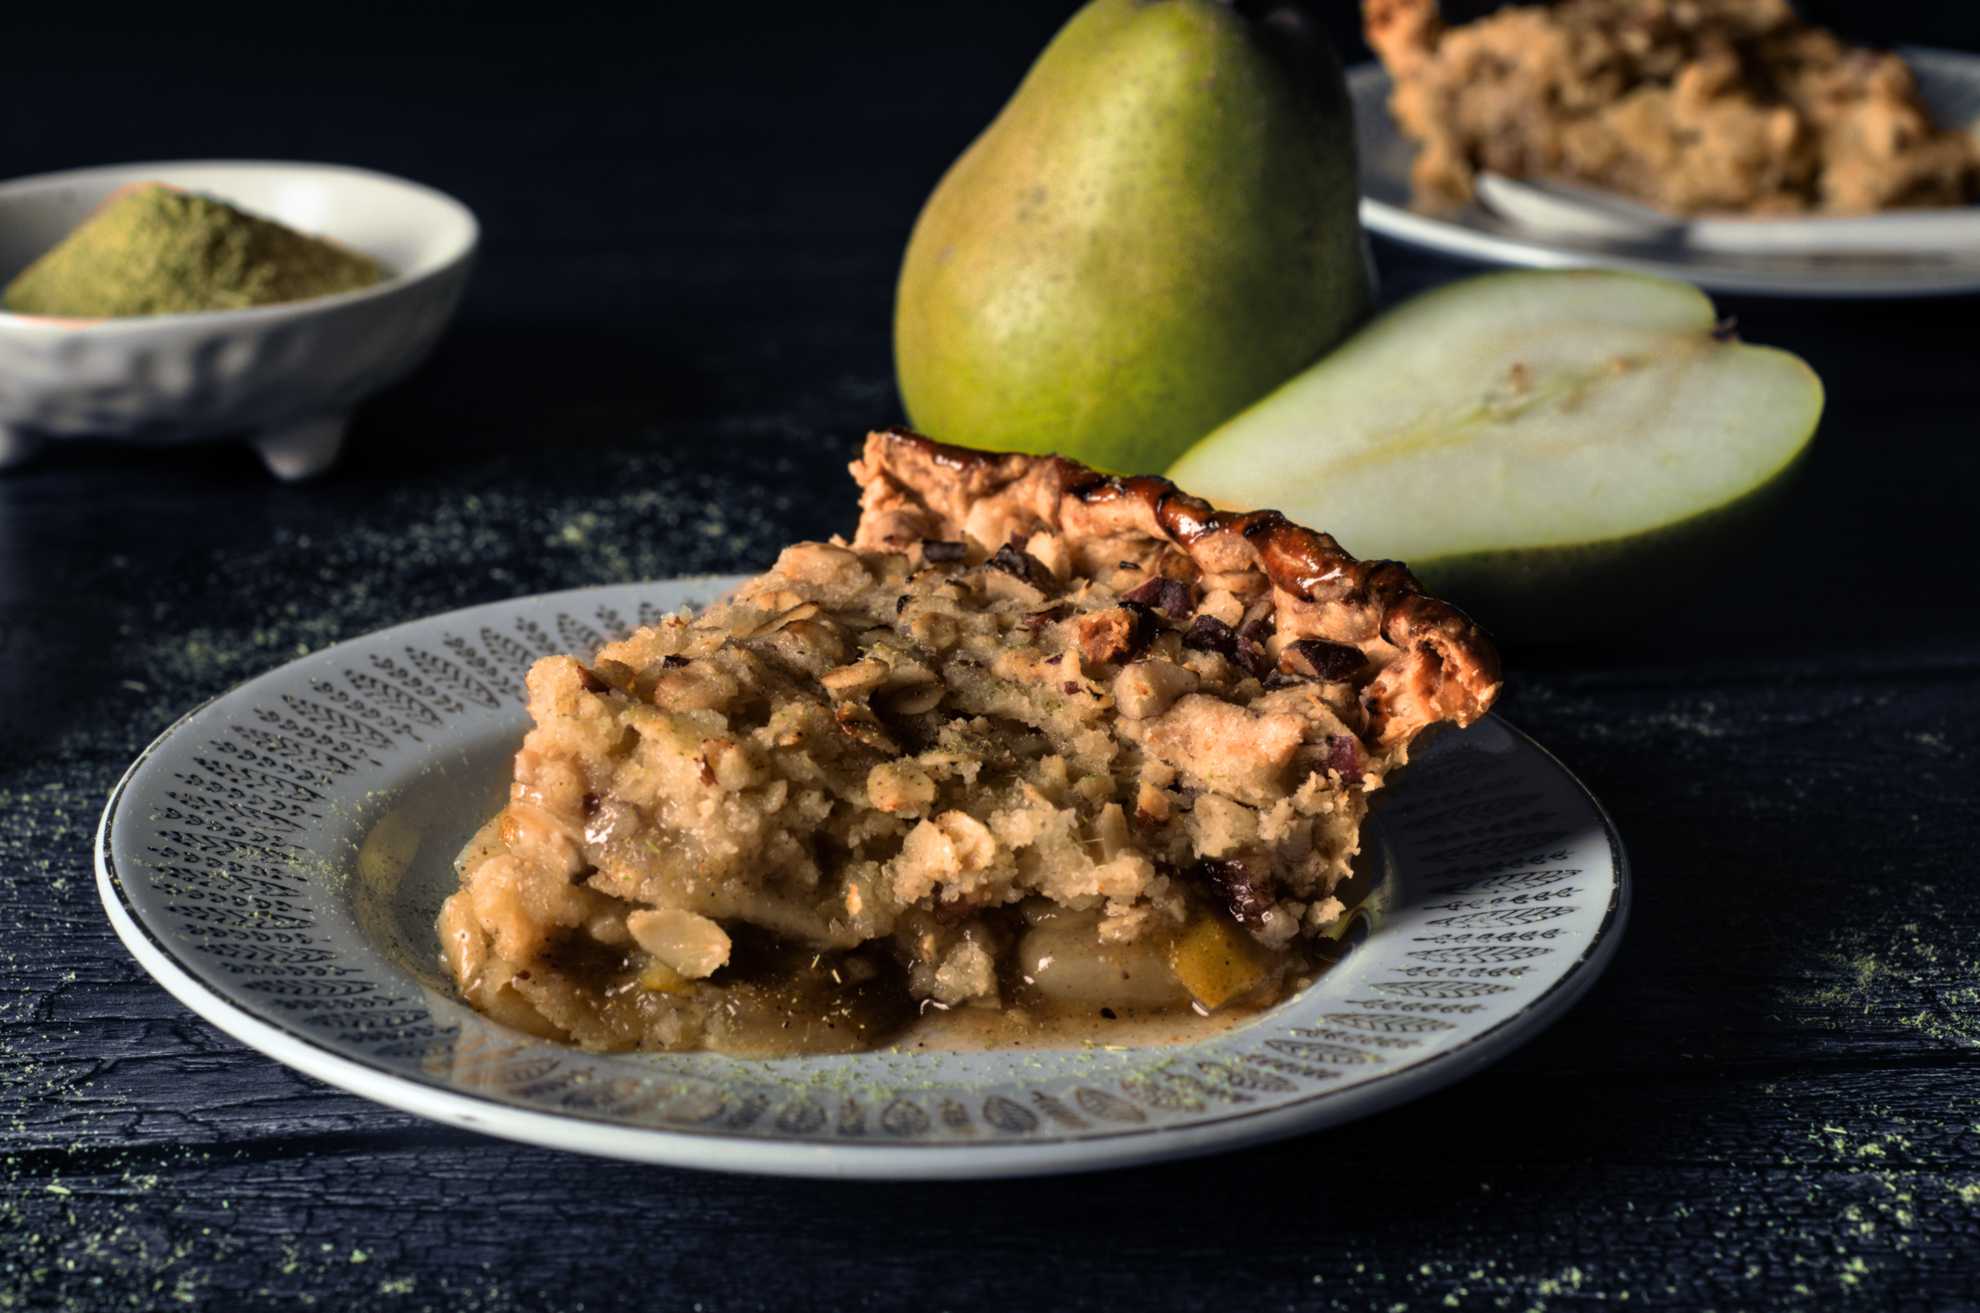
[{"x": 1037, "y": 739}]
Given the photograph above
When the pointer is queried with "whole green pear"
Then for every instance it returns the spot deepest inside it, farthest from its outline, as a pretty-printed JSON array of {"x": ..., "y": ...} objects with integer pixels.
[{"x": 1159, "y": 228}]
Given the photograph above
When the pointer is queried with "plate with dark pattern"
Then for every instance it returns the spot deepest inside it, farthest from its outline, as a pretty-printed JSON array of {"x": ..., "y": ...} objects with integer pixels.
[{"x": 276, "y": 858}]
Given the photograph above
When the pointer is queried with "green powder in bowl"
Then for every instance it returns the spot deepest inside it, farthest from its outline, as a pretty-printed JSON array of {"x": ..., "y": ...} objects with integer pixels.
[{"x": 154, "y": 250}]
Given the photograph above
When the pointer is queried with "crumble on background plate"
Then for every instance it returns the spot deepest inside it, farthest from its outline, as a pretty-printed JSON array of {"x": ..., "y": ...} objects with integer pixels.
[{"x": 1692, "y": 106}]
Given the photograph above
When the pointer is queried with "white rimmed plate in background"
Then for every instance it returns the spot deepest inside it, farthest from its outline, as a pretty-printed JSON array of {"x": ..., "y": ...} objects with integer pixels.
[
  {"x": 1927, "y": 253},
  {"x": 276, "y": 860},
  {"x": 284, "y": 377}
]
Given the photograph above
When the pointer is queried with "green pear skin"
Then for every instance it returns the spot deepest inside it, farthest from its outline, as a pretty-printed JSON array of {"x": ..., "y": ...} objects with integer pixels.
[{"x": 1159, "y": 227}]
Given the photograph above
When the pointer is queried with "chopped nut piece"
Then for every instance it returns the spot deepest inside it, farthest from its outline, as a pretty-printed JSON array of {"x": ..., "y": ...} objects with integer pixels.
[
  {"x": 1110, "y": 831},
  {"x": 819, "y": 568},
  {"x": 1147, "y": 688},
  {"x": 686, "y": 941},
  {"x": 933, "y": 629},
  {"x": 855, "y": 680},
  {"x": 728, "y": 764},
  {"x": 1116, "y": 633},
  {"x": 944, "y": 851},
  {"x": 1222, "y": 604},
  {"x": 900, "y": 787},
  {"x": 791, "y": 616}
]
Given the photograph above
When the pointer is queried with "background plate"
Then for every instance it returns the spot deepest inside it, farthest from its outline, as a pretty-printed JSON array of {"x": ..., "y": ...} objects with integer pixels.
[
  {"x": 1950, "y": 80},
  {"x": 276, "y": 859}
]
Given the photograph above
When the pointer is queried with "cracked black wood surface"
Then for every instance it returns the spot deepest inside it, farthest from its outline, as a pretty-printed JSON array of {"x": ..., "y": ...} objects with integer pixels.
[{"x": 677, "y": 334}]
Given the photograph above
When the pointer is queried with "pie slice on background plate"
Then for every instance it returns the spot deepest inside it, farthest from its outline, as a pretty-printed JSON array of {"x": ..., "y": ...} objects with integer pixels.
[{"x": 1039, "y": 744}]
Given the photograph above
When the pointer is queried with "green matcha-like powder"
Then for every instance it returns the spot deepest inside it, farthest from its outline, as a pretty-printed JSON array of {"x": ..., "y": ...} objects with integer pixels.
[{"x": 153, "y": 250}]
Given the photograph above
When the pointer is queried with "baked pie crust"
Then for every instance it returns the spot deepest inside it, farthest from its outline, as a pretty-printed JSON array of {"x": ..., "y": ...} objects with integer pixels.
[{"x": 1037, "y": 739}]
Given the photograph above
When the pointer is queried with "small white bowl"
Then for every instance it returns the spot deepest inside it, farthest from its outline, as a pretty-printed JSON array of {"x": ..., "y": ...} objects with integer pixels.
[{"x": 284, "y": 377}]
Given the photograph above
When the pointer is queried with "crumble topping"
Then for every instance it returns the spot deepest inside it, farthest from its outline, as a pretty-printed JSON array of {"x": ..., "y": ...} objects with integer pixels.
[
  {"x": 1028, "y": 715},
  {"x": 1691, "y": 105}
]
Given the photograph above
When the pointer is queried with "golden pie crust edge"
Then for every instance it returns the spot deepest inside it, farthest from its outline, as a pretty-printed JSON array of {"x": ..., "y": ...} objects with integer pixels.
[{"x": 1427, "y": 661}]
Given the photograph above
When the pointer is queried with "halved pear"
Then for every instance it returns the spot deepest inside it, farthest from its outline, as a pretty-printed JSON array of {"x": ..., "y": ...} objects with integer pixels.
[{"x": 1548, "y": 450}]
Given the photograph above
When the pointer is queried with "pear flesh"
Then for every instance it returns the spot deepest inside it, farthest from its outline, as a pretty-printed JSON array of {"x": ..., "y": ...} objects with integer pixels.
[
  {"x": 1543, "y": 447},
  {"x": 1159, "y": 227}
]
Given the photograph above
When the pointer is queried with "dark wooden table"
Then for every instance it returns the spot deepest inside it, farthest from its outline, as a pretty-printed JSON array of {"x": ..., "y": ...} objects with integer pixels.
[{"x": 678, "y": 332}]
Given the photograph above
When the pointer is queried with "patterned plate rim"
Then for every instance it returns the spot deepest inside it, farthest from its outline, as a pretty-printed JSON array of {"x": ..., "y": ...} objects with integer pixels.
[
  {"x": 1463, "y": 240},
  {"x": 719, "y": 1150}
]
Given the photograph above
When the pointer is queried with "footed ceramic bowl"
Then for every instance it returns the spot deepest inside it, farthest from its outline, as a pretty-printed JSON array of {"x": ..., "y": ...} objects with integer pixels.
[{"x": 284, "y": 377}]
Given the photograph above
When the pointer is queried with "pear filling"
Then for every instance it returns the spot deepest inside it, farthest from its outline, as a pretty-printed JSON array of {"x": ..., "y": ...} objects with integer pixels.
[{"x": 879, "y": 784}]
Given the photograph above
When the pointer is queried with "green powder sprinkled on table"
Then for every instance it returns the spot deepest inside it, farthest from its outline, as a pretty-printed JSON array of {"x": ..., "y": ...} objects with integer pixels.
[{"x": 154, "y": 250}]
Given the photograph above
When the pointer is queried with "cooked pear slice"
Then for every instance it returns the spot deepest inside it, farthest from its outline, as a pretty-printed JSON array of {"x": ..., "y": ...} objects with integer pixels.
[{"x": 1547, "y": 449}]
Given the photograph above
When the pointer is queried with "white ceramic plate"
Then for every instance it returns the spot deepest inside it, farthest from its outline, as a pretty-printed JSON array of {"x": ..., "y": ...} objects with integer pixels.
[
  {"x": 1949, "y": 80},
  {"x": 276, "y": 859}
]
